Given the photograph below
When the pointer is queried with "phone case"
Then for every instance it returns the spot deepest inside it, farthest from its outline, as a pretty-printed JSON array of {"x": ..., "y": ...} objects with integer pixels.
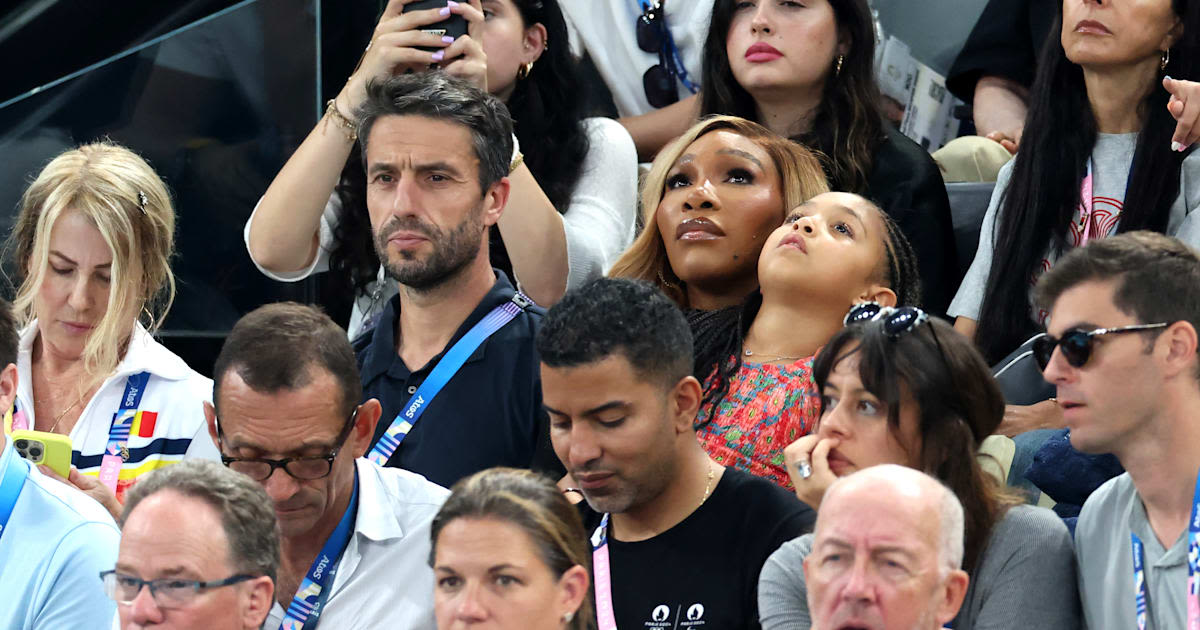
[
  {"x": 44, "y": 449},
  {"x": 455, "y": 26}
]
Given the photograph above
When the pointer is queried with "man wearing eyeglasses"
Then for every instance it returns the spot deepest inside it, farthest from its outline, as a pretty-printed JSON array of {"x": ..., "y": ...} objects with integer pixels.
[
  {"x": 1121, "y": 349},
  {"x": 54, "y": 539},
  {"x": 354, "y": 536},
  {"x": 199, "y": 549}
]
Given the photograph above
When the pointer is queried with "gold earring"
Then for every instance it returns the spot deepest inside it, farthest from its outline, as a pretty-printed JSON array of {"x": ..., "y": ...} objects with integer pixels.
[
  {"x": 838, "y": 70},
  {"x": 523, "y": 71},
  {"x": 1166, "y": 59}
]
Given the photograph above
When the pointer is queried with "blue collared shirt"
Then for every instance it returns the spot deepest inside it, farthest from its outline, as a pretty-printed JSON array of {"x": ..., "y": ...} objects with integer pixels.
[
  {"x": 57, "y": 542},
  {"x": 489, "y": 414}
]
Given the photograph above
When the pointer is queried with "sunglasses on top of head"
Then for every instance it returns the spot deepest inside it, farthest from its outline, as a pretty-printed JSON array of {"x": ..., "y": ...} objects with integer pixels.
[{"x": 1076, "y": 345}]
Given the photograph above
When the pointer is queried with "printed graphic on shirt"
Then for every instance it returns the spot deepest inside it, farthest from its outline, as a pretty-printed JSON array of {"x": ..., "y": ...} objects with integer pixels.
[
  {"x": 1104, "y": 217},
  {"x": 676, "y": 617}
]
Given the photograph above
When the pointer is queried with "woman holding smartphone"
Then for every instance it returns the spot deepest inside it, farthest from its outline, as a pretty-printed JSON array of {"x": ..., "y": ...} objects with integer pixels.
[{"x": 571, "y": 210}]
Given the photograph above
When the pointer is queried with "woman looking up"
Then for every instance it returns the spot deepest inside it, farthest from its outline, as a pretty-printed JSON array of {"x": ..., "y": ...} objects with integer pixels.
[
  {"x": 709, "y": 202},
  {"x": 92, "y": 242},
  {"x": 572, "y": 206},
  {"x": 805, "y": 71},
  {"x": 756, "y": 360},
  {"x": 900, "y": 387}
]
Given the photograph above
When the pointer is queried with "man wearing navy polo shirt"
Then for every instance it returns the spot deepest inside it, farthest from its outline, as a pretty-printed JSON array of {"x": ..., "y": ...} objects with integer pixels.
[
  {"x": 54, "y": 539},
  {"x": 452, "y": 359}
]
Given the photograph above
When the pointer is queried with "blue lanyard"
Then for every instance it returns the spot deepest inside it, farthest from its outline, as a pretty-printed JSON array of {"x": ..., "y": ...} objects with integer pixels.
[
  {"x": 122, "y": 422},
  {"x": 10, "y": 489},
  {"x": 445, "y": 369},
  {"x": 1193, "y": 562},
  {"x": 305, "y": 610},
  {"x": 674, "y": 61}
]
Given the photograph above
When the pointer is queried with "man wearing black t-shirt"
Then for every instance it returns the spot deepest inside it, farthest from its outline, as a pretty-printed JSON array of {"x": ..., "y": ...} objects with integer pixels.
[{"x": 682, "y": 538}]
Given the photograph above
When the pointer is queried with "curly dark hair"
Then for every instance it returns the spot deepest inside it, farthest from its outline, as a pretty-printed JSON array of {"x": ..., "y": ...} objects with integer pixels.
[{"x": 547, "y": 107}]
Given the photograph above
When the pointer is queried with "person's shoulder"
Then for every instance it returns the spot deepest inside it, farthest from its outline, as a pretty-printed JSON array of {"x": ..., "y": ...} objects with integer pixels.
[
  {"x": 68, "y": 510},
  {"x": 1109, "y": 502},
  {"x": 402, "y": 488},
  {"x": 796, "y": 549},
  {"x": 609, "y": 137},
  {"x": 1033, "y": 529}
]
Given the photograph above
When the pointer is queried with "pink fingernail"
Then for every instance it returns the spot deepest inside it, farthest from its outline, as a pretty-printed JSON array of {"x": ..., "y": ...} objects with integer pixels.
[
  {"x": 451, "y": 3},
  {"x": 437, "y": 56},
  {"x": 444, "y": 12},
  {"x": 1178, "y": 146},
  {"x": 447, "y": 39}
]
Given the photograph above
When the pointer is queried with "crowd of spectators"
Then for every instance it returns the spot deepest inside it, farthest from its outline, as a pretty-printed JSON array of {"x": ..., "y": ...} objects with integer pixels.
[{"x": 743, "y": 384}]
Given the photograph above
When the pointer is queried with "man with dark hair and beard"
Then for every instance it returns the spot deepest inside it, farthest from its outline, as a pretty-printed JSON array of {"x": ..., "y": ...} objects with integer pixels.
[{"x": 452, "y": 357}]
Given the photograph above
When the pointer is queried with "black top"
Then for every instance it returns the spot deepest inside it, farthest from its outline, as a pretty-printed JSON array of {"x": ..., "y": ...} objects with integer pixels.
[
  {"x": 703, "y": 573},
  {"x": 1005, "y": 43},
  {"x": 489, "y": 414},
  {"x": 906, "y": 183}
]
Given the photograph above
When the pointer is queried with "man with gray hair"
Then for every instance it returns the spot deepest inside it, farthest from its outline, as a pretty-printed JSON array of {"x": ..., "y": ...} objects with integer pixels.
[
  {"x": 452, "y": 354},
  {"x": 887, "y": 553},
  {"x": 199, "y": 549}
]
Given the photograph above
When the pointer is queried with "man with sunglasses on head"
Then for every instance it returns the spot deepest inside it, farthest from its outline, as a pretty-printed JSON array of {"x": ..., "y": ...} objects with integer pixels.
[
  {"x": 354, "y": 535},
  {"x": 199, "y": 549},
  {"x": 1121, "y": 348}
]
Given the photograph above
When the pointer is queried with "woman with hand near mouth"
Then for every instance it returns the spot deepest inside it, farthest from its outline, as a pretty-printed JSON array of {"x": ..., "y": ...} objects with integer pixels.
[
  {"x": 832, "y": 251},
  {"x": 92, "y": 242},
  {"x": 1105, "y": 150},
  {"x": 709, "y": 202},
  {"x": 805, "y": 71},
  {"x": 900, "y": 387}
]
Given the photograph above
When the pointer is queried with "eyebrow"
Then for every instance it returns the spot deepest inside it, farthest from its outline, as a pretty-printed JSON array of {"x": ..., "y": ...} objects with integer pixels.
[
  {"x": 741, "y": 154},
  {"x": 594, "y": 411},
  {"x": 305, "y": 445},
  {"x": 55, "y": 252}
]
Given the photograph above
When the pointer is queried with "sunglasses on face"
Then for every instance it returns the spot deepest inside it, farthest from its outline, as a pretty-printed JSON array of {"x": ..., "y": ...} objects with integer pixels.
[{"x": 1076, "y": 345}]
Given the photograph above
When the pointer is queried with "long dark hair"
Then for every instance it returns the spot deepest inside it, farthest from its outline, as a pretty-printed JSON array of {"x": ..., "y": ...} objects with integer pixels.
[
  {"x": 548, "y": 108},
  {"x": 1043, "y": 192},
  {"x": 959, "y": 402},
  {"x": 718, "y": 335},
  {"x": 848, "y": 124}
]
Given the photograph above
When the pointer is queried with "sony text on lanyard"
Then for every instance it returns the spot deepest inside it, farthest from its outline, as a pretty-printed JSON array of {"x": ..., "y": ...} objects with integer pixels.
[
  {"x": 441, "y": 374},
  {"x": 305, "y": 610},
  {"x": 1193, "y": 562},
  {"x": 116, "y": 451}
]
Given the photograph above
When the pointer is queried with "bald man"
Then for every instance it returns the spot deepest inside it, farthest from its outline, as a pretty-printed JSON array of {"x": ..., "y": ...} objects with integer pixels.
[{"x": 887, "y": 553}]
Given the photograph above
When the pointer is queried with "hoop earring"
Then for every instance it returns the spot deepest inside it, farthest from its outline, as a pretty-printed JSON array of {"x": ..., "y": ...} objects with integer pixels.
[
  {"x": 523, "y": 71},
  {"x": 1166, "y": 59},
  {"x": 838, "y": 70}
]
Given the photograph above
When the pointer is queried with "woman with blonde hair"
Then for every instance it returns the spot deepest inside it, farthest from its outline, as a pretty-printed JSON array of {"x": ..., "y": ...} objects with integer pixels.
[
  {"x": 92, "y": 245},
  {"x": 510, "y": 550},
  {"x": 709, "y": 202}
]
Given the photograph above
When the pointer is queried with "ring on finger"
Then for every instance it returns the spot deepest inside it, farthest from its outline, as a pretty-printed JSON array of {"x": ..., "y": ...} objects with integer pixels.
[{"x": 804, "y": 468}]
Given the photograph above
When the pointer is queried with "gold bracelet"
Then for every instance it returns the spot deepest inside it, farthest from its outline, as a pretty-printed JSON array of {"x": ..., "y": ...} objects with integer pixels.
[
  {"x": 332, "y": 113},
  {"x": 517, "y": 161}
]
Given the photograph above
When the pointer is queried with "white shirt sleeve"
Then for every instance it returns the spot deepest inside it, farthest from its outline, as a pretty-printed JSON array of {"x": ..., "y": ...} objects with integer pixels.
[
  {"x": 599, "y": 223},
  {"x": 969, "y": 299},
  {"x": 320, "y": 262}
]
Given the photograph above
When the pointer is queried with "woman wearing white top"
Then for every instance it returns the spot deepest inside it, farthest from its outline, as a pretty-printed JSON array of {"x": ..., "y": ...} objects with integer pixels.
[
  {"x": 571, "y": 210},
  {"x": 93, "y": 240}
]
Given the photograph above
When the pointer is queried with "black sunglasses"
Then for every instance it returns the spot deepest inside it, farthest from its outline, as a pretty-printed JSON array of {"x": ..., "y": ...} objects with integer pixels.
[
  {"x": 895, "y": 320},
  {"x": 653, "y": 36},
  {"x": 1076, "y": 345}
]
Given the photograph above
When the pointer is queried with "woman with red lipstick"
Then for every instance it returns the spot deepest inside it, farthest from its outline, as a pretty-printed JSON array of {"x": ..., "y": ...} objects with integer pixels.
[
  {"x": 900, "y": 387},
  {"x": 805, "y": 71},
  {"x": 93, "y": 241},
  {"x": 831, "y": 252},
  {"x": 709, "y": 202}
]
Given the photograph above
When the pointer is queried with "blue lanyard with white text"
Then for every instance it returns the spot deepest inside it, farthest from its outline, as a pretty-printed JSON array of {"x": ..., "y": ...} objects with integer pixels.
[
  {"x": 1193, "y": 562},
  {"x": 10, "y": 489},
  {"x": 116, "y": 451},
  {"x": 305, "y": 610},
  {"x": 445, "y": 369}
]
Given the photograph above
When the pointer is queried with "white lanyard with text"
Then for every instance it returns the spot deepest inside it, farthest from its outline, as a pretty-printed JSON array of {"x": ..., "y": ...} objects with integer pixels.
[
  {"x": 1193, "y": 562},
  {"x": 602, "y": 573}
]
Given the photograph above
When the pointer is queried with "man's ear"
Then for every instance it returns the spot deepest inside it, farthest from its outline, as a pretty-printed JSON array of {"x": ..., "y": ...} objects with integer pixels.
[
  {"x": 494, "y": 201},
  {"x": 685, "y": 403},
  {"x": 259, "y": 598},
  {"x": 955, "y": 590},
  {"x": 1179, "y": 344},
  {"x": 210, "y": 414},
  {"x": 364, "y": 426}
]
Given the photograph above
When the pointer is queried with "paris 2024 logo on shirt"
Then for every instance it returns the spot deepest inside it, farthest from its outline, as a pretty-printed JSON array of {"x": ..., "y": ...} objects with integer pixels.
[{"x": 677, "y": 618}]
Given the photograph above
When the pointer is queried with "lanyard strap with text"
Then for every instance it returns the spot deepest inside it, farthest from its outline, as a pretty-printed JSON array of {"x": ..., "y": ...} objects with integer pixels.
[
  {"x": 1193, "y": 562},
  {"x": 116, "y": 452},
  {"x": 305, "y": 610},
  {"x": 10, "y": 488},
  {"x": 445, "y": 369},
  {"x": 602, "y": 573}
]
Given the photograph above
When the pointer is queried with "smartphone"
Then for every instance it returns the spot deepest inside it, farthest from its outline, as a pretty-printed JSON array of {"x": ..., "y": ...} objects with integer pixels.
[
  {"x": 44, "y": 449},
  {"x": 455, "y": 26}
]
